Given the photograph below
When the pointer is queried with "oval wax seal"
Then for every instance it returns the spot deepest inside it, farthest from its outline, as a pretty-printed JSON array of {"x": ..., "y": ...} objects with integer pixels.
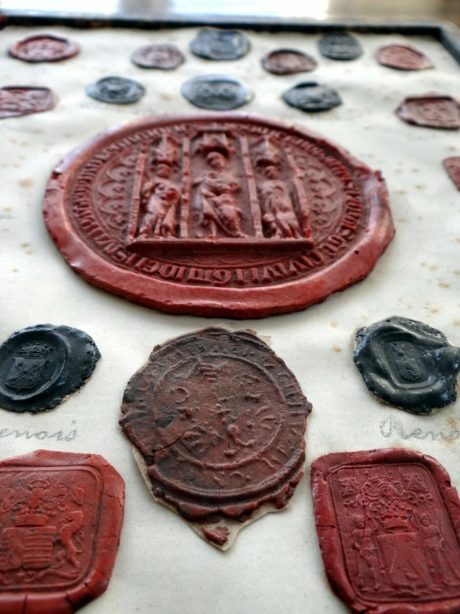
[
  {"x": 288, "y": 62},
  {"x": 162, "y": 57},
  {"x": 218, "y": 423},
  {"x": 403, "y": 57},
  {"x": 219, "y": 45},
  {"x": 452, "y": 166},
  {"x": 217, "y": 214},
  {"x": 388, "y": 524},
  {"x": 18, "y": 100},
  {"x": 116, "y": 90},
  {"x": 431, "y": 111},
  {"x": 216, "y": 92},
  {"x": 44, "y": 48},
  {"x": 339, "y": 46},
  {"x": 62, "y": 515},
  {"x": 312, "y": 97},
  {"x": 407, "y": 364},
  {"x": 43, "y": 364}
]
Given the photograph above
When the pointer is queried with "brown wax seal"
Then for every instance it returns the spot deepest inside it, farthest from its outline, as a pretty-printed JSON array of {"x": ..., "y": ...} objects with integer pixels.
[
  {"x": 388, "y": 524},
  {"x": 430, "y": 110},
  {"x": 17, "y": 100},
  {"x": 44, "y": 48},
  {"x": 162, "y": 57},
  {"x": 288, "y": 62},
  {"x": 61, "y": 520},
  {"x": 218, "y": 422},
  {"x": 452, "y": 166},
  {"x": 222, "y": 214},
  {"x": 403, "y": 57}
]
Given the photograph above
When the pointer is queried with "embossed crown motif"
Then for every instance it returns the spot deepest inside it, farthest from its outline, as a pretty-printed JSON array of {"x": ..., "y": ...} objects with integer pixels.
[
  {"x": 165, "y": 152},
  {"x": 35, "y": 350}
]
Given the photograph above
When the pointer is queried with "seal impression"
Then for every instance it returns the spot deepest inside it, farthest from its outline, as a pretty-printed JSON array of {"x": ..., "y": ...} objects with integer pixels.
[
  {"x": 222, "y": 214},
  {"x": 61, "y": 520},
  {"x": 339, "y": 46},
  {"x": 44, "y": 48},
  {"x": 220, "y": 45},
  {"x": 431, "y": 111},
  {"x": 218, "y": 423},
  {"x": 116, "y": 90},
  {"x": 452, "y": 166},
  {"x": 388, "y": 527},
  {"x": 312, "y": 97},
  {"x": 403, "y": 57},
  {"x": 161, "y": 57},
  {"x": 43, "y": 364},
  {"x": 407, "y": 364},
  {"x": 17, "y": 100},
  {"x": 216, "y": 92},
  {"x": 288, "y": 62}
]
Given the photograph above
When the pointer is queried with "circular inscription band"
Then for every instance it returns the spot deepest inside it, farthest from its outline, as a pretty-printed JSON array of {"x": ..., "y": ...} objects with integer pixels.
[{"x": 217, "y": 215}]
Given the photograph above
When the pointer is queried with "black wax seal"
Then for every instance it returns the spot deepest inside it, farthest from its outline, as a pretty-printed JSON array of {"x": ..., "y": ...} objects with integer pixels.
[
  {"x": 161, "y": 57},
  {"x": 216, "y": 92},
  {"x": 220, "y": 45},
  {"x": 42, "y": 364},
  {"x": 116, "y": 90},
  {"x": 339, "y": 46},
  {"x": 407, "y": 364},
  {"x": 312, "y": 97}
]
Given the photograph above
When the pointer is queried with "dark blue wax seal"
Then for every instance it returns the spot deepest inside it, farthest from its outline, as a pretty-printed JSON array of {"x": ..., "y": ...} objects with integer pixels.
[
  {"x": 220, "y": 45},
  {"x": 339, "y": 46},
  {"x": 42, "y": 364},
  {"x": 407, "y": 364},
  {"x": 216, "y": 92},
  {"x": 312, "y": 97},
  {"x": 116, "y": 90}
]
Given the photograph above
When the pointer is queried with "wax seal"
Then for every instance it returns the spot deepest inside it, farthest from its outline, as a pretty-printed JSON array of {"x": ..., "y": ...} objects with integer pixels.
[
  {"x": 452, "y": 166},
  {"x": 403, "y": 57},
  {"x": 163, "y": 57},
  {"x": 216, "y": 92},
  {"x": 61, "y": 520},
  {"x": 407, "y": 364},
  {"x": 288, "y": 62},
  {"x": 431, "y": 111},
  {"x": 220, "y": 45},
  {"x": 312, "y": 97},
  {"x": 218, "y": 422},
  {"x": 17, "y": 100},
  {"x": 339, "y": 46},
  {"x": 116, "y": 90},
  {"x": 388, "y": 528},
  {"x": 44, "y": 48},
  {"x": 218, "y": 214},
  {"x": 43, "y": 364}
]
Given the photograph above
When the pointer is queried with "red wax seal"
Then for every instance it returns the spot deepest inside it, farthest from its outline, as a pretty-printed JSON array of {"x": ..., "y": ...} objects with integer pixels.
[
  {"x": 24, "y": 100},
  {"x": 452, "y": 166},
  {"x": 223, "y": 214},
  {"x": 388, "y": 523},
  {"x": 431, "y": 111},
  {"x": 61, "y": 516},
  {"x": 403, "y": 57},
  {"x": 44, "y": 48},
  {"x": 218, "y": 422}
]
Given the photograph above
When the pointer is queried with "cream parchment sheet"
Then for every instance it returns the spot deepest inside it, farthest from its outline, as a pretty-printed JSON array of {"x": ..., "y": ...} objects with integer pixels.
[{"x": 274, "y": 565}]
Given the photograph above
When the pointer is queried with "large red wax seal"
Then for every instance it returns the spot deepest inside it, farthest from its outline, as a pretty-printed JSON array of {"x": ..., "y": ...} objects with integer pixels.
[
  {"x": 430, "y": 111},
  {"x": 61, "y": 517},
  {"x": 218, "y": 422},
  {"x": 221, "y": 214},
  {"x": 388, "y": 523}
]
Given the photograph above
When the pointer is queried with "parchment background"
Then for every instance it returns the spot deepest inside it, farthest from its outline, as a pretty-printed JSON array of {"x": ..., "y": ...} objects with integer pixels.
[{"x": 274, "y": 565}]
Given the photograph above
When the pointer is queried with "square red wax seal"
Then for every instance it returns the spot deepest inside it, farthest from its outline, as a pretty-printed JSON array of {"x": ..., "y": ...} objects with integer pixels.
[
  {"x": 60, "y": 520},
  {"x": 388, "y": 524}
]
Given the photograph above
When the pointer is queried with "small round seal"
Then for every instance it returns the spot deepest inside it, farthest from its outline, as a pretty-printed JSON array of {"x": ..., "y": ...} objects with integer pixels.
[
  {"x": 219, "y": 422},
  {"x": 44, "y": 48},
  {"x": 339, "y": 46},
  {"x": 116, "y": 90},
  {"x": 403, "y": 57},
  {"x": 219, "y": 45},
  {"x": 216, "y": 92},
  {"x": 452, "y": 166},
  {"x": 162, "y": 57},
  {"x": 22, "y": 100},
  {"x": 288, "y": 62},
  {"x": 430, "y": 111},
  {"x": 62, "y": 515},
  {"x": 407, "y": 364},
  {"x": 43, "y": 364},
  {"x": 312, "y": 97}
]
